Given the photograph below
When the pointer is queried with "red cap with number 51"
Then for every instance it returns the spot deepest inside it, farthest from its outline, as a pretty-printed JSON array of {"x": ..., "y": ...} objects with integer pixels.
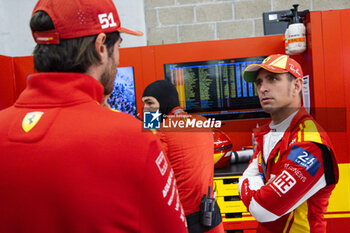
[{"x": 78, "y": 18}]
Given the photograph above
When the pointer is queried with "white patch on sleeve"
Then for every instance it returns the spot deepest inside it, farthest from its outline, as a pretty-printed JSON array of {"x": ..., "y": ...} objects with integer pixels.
[
  {"x": 255, "y": 183},
  {"x": 251, "y": 171},
  {"x": 260, "y": 213}
]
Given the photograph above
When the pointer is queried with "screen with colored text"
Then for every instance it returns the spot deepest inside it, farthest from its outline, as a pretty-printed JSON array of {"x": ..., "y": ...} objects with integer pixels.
[{"x": 216, "y": 88}]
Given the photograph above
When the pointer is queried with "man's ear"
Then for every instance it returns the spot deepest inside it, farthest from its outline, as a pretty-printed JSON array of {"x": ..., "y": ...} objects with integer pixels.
[
  {"x": 298, "y": 85},
  {"x": 100, "y": 47}
]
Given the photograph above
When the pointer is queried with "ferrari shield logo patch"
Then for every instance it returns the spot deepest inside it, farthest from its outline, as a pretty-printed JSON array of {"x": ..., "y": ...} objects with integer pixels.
[{"x": 30, "y": 120}]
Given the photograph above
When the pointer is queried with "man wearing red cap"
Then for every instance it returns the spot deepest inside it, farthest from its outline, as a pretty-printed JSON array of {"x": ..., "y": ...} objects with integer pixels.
[
  {"x": 67, "y": 164},
  {"x": 291, "y": 176}
]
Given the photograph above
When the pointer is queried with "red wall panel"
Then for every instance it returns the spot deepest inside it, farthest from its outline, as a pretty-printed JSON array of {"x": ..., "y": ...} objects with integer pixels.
[
  {"x": 334, "y": 81},
  {"x": 7, "y": 82},
  {"x": 23, "y": 66},
  {"x": 345, "y": 42},
  {"x": 329, "y": 47}
]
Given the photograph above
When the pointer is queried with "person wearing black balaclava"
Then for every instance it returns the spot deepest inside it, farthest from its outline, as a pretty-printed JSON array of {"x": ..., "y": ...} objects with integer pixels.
[
  {"x": 161, "y": 95},
  {"x": 190, "y": 154}
]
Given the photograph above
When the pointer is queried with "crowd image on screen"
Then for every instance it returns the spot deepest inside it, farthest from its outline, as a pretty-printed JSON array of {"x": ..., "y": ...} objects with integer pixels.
[{"x": 122, "y": 97}]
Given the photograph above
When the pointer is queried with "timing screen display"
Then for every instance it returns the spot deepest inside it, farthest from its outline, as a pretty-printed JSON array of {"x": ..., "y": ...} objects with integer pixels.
[{"x": 214, "y": 85}]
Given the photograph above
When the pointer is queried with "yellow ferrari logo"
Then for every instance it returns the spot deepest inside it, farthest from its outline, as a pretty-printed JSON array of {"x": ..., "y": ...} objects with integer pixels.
[
  {"x": 266, "y": 60},
  {"x": 30, "y": 120}
]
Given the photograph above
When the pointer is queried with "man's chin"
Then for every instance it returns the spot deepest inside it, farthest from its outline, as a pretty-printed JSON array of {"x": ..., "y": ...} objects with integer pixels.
[
  {"x": 268, "y": 109},
  {"x": 150, "y": 110},
  {"x": 107, "y": 91}
]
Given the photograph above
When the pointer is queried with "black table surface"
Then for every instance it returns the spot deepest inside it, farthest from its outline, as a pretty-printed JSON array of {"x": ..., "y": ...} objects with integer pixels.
[{"x": 235, "y": 169}]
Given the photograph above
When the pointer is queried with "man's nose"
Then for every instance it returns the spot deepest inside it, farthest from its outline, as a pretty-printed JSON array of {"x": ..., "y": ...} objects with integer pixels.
[{"x": 263, "y": 87}]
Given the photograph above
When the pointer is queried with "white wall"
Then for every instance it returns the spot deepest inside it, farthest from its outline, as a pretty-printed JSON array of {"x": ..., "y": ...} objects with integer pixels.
[
  {"x": 16, "y": 38},
  {"x": 132, "y": 16},
  {"x": 15, "y": 35}
]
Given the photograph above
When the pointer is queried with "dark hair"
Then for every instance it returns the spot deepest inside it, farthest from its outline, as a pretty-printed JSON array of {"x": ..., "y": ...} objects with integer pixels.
[{"x": 71, "y": 55}]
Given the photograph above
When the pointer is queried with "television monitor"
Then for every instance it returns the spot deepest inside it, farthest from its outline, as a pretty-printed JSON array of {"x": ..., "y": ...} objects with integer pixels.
[
  {"x": 216, "y": 88},
  {"x": 123, "y": 97}
]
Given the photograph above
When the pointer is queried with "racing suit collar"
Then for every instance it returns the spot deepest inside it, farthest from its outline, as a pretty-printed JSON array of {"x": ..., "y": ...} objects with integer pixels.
[
  {"x": 260, "y": 132},
  {"x": 59, "y": 89},
  {"x": 266, "y": 128}
]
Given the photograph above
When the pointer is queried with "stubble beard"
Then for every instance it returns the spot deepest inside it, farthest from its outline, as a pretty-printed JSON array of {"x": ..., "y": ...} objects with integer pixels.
[{"x": 108, "y": 76}]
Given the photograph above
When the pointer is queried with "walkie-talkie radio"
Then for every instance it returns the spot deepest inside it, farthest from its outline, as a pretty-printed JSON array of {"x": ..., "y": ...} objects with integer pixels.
[{"x": 207, "y": 208}]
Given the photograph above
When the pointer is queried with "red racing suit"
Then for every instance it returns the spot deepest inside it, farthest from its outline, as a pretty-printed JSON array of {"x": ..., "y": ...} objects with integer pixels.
[
  {"x": 190, "y": 152},
  {"x": 301, "y": 173},
  {"x": 69, "y": 165}
]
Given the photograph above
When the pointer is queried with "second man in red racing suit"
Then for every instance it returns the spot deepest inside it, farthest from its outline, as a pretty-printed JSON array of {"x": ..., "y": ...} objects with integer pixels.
[
  {"x": 289, "y": 180},
  {"x": 302, "y": 175}
]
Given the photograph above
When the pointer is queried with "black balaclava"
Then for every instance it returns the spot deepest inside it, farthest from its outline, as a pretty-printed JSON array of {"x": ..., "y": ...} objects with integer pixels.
[{"x": 165, "y": 93}]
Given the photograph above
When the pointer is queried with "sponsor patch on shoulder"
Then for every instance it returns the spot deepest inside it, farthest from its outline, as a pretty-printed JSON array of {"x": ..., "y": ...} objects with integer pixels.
[{"x": 305, "y": 159}]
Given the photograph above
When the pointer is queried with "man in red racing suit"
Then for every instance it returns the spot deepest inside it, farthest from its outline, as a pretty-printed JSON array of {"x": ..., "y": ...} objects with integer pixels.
[
  {"x": 190, "y": 152},
  {"x": 290, "y": 178},
  {"x": 67, "y": 164}
]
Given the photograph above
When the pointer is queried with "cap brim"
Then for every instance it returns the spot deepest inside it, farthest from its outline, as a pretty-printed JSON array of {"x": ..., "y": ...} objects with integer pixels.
[
  {"x": 131, "y": 32},
  {"x": 250, "y": 73}
]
